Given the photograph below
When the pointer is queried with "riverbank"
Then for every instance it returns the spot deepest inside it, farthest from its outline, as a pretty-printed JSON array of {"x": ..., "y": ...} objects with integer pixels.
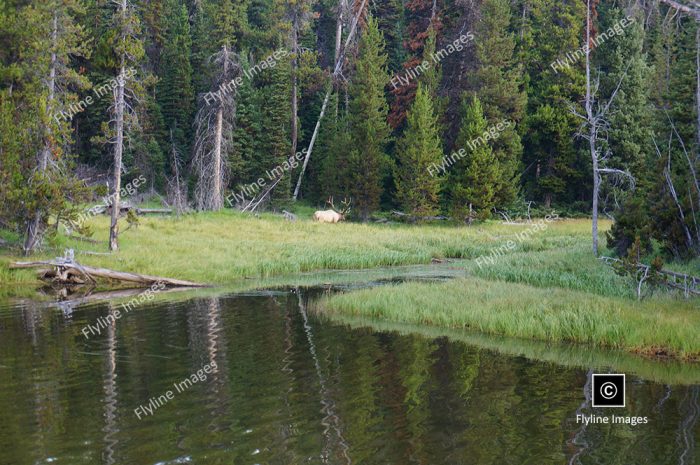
[
  {"x": 662, "y": 327},
  {"x": 522, "y": 280},
  {"x": 220, "y": 248}
]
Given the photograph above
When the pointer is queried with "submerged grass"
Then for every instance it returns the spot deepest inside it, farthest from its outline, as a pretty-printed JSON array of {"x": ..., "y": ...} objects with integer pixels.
[{"x": 660, "y": 327}]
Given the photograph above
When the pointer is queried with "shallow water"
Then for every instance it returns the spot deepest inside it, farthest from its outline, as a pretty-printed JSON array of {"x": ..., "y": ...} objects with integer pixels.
[{"x": 291, "y": 387}]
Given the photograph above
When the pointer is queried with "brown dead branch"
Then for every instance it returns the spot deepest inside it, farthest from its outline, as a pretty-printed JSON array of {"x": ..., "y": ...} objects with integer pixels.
[{"x": 68, "y": 272}]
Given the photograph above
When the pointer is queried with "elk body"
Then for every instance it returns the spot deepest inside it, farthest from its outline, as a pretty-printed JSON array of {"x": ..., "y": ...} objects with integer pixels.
[
  {"x": 328, "y": 216},
  {"x": 332, "y": 215}
]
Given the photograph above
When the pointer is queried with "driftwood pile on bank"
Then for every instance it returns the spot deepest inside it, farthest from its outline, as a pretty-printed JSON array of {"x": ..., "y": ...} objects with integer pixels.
[{"x": 66, "y": 271}]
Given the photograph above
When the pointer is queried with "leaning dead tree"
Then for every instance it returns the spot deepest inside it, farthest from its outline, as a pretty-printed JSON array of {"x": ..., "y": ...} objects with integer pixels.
[
  {"x": 299, "y": 15},
  {"x": 214, "y": 128},
  {"x": 337, "y": 70},
  {"x": 596, "y": 124},
  {"x": 692, "y": 240}
]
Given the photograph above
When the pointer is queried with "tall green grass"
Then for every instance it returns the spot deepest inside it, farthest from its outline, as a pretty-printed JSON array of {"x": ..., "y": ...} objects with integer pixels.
[
  {"x": 219, "y": 248},
  {"x": 572, "y": 267},
  {"x": 659, "y": 326},
  {"x": 653, "y": 369}
]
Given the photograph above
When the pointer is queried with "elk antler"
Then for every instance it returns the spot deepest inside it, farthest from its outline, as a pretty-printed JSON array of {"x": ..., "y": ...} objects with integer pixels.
[
  {"x": 329, "y": 202},
  {"x": 347, "y": 206}
]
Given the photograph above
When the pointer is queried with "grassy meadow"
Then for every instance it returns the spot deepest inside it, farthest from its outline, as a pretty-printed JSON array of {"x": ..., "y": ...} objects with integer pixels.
[{"x": 219, "y": 248}]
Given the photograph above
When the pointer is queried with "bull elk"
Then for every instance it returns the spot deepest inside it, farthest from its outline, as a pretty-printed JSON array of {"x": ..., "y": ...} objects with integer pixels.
[{"x": 333, "y": 215}]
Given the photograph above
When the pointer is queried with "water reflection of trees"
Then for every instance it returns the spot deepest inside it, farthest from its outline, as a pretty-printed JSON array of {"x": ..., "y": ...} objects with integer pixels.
[
  {"x": 300, "y": 389},
  {"x": 690, "y": 411},
  {"x": 332, "y": 427},
  {"x": 109, "y": 387}
]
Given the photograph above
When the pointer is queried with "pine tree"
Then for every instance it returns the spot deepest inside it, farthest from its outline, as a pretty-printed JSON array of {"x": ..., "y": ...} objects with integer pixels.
[
  {"x": 554, "y": 171},
  {"x": 247, "y": 133},
  {"x": 422, "y": 31},
  {"x": 676, "y": 221},
  {"x": 499, "y": 82},
  {"x": 390, "y": 17},
  {"x": 214, "y": 123},
  {"x": 50, "y": 78},
  {"x": 175, "y": 91},
  {"x": 629, "y": 138},
  {"x": 297, "y": 19},
  {"x": 368, "y": 126},
  {"x": 335, "y": 178},
  {"x": 417, "y": 189},
  {"x": 473, "y": 178},
  {"x": 275, "y": 138}
]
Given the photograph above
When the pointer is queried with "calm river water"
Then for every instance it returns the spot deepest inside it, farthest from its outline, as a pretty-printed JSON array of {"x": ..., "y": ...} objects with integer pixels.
[{"x": 286, "y": 386}]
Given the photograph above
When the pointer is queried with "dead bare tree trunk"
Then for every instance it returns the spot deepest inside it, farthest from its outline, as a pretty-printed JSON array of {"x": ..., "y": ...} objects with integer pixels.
[
  {"x": 117, "y": 175},
  {"x": 295, "y": 83},
  {"x": 178, "y": 198},
  {"x": 35, "y": 226},
  {"x": 118, "y": 143},
  {"x": 336, "y": 73},
  {"x": 685, "y": 9},
  {"x": 214, "y": 124},
  {"x": 217, "y": 198},
  {"x": 674, "y": 195},
  {"x": 592, "y": 131},
  {"x": 594, "y": 122}
]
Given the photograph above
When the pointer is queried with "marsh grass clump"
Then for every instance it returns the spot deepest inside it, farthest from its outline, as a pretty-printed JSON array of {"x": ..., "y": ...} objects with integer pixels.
[{"x": 660, "y": 326}]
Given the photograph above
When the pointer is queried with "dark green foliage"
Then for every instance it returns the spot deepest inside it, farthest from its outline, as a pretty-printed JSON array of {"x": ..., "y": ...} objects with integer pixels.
[
  {"x": 538, "y": 156},
  {"x": 473, "y": 178},
  {"x": 275, "y": 136},
  {"x": 632, "y": 266},
  {"x": 499, "y": 82},
  {"x": 671, "y": 125},
  {"x": 417, "y": 188},
  {"x": 632, "y": 220},
  {"x": 334, "y": 178},
  {"x": 551, "y": 30},
  {"x": 175, "y": 91},
  {"x": 369, "y": 130}
]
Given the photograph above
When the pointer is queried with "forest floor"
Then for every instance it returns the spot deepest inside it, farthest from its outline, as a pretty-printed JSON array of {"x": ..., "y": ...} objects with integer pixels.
[{"x": 540, "y": 282}]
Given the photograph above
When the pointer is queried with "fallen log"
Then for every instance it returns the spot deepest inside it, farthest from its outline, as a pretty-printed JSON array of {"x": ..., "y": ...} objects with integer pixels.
[
  {"x": 413, "y": 218},
  {"x": 154, "y": 211},
  {"x": 66, "y": 271}
]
